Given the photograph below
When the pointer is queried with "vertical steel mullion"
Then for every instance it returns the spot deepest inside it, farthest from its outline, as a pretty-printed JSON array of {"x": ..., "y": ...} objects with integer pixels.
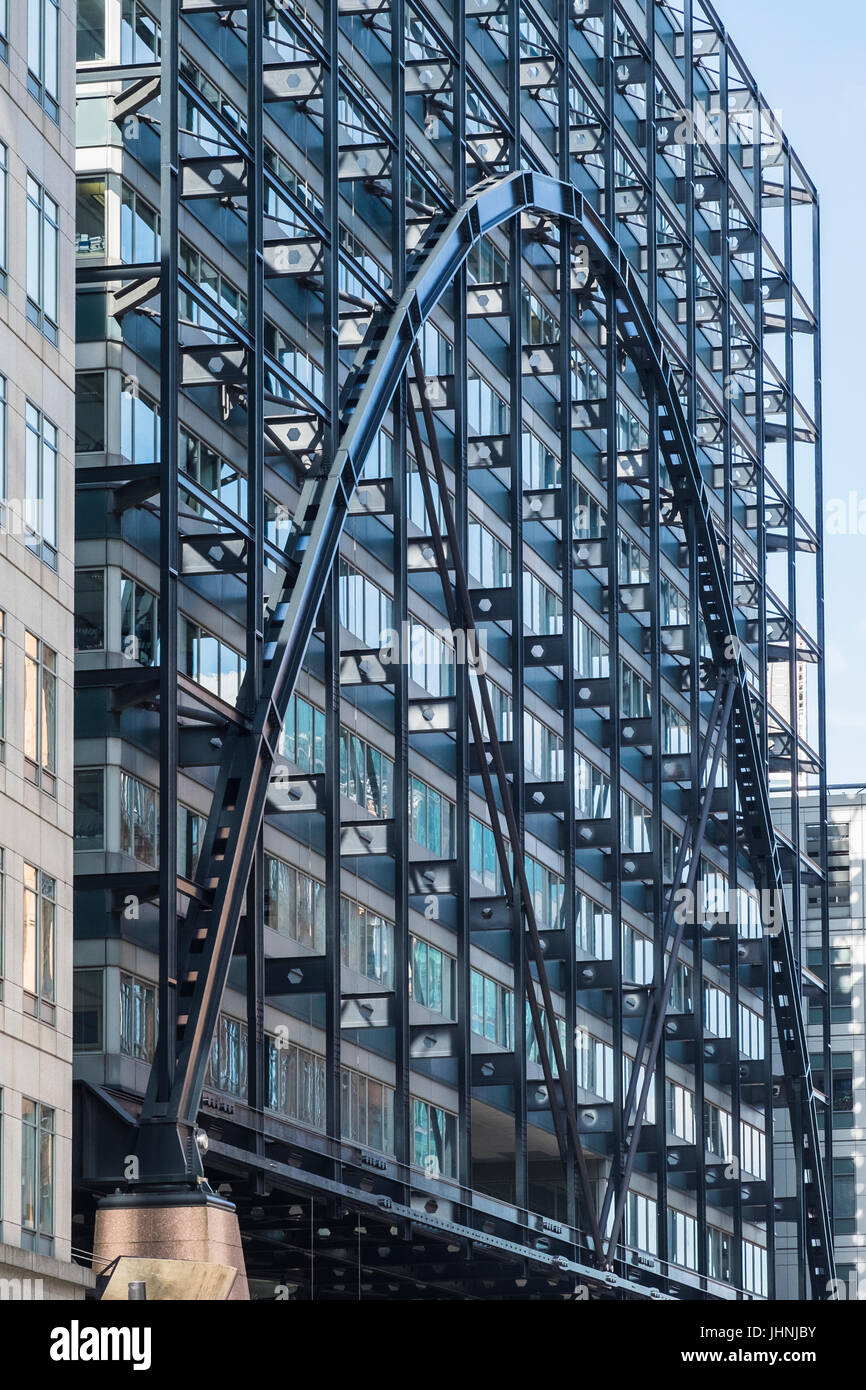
[
  {"x": 655, "y": 550},
  {"x": 256, "y": 521},
  {"x": 169, "y": 561},
  {"x": 461, "y": 672},
  {"x": 732, "y": 840},
  {"x": 330, "y": 607},
  {"x": 611, "y": 369},
  {"x": 567, "y": 482},
  {"x": 515, "y": 427},
  {"x": 793, "y": 714},
  {"x": 402, "y": 750},
  {"x": 823, "y": 812},
  {"x": 694, "y": 597},
  {"x": 255, "y": 991},
  {"x": 763, "y": 668}
]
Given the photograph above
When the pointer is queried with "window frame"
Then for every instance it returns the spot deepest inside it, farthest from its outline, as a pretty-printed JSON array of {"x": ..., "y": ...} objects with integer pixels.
[
  {"x": 37, "y": 313},
  {"x": 42, "y": 435},
  {"x": 48, "y": 96},
  {"x": 40, "y": 772},
  {"x": 39, "y": 1003},
  {"x": 34, "y": 1237}
]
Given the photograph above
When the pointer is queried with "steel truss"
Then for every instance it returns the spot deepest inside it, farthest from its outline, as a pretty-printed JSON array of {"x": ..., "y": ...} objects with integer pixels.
[
  {"x": 197, "y": 948},
  {"x": 233, "y": 825}
]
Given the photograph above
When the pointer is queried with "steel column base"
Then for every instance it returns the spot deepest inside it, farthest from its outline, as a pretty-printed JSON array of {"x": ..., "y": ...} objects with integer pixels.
[{"x": 171, "y": 1226}]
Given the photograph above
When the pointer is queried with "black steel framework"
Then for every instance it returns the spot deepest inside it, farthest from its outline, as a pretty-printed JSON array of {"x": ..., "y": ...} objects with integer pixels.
[{"x": 615, "y": 229}]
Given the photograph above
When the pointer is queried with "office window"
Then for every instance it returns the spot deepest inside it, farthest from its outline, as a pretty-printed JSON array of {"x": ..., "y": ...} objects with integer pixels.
[
  {"x": 367, "y": 1111},
  {"x": 754, "y": 1268},
  {"x": 4, "y": 199},
  {"x": 296, "y": 1082},
  {"x": 302, "y": 740},
  {"x": 190, "y": 833},
  {"x": 89, "y": 412},
  {"x": 37, "y": 1176},
  {"x": 431, "y": 661},
  {"x": 43, "y": 21},
  {"x": 89, "y": 808},
  {"x": 594, "y": 1064},
  {"x": 90, "y": 217},
  {"x": 294, "y": 904},
  {"x": 591, "y": 790},
  {"x": 838, "y": 864},
  {"x": 87, "y": 1010},
  {"x": 4, "y": 31},
  {"x": 40, "y": 485},
  {"x": 540, "y": 465},
  {"x": 40, "y": 902},
  {"x": 753, "y": 1150},
  {"x": 634, "y": 693},
  {"x": 486, "y": 411},
  {"x": 367, "y": 942},
  {"x": 590, "y": 517},
  {"x": 483, "y": 858},
  {"x": 213, "y": 284},
  {"x": 719, "y": 1245},
  {"x": 680, "y": 1111},
  {"x": 594, "y": 927},
  {"x": 600, "y": 1061},
  {"x": 42, "y": 268},
  {"x": 637, "y": 956},
  {"x": 751, "y": 1033},
  {"x": 718, "y": 1131},
  {"x": 210, "y": 662},
  {"x": 844, "y": 1196},
  {"x": 215, "y": 474},
  {"x": 139, "y": 820},
  {"x": 365, "y": 609},
  {"x": 591, "y": 652},
  {"x": 138, "y": 1014},
  {"x": 40, "y": 713},
  {"x": 682, "y": 1239},
  {"x": 434, "y": 1139},
  {"x": 227, "y": 1068},
  {"x": 366, "y": 775},
  {"x": 492, "y": 1010},
  {"x": 91, "y": 31},
  {"x": 717, "y": 1012},
  {"x": 139, "y": 33},
  {"x": 431, "y": 818},
  {"x": 636, "y": 825},
  {"x": 842, "y": 1087},
  {"x": 640, "y": 1223},
  {"x": 89, "y": 610},
  {"x": 489, "y": 560},
  {"x": 841, "y": 983},
  {"x": 139, "y": 229},
  {"x": 547, "y": 891},
  {"x": 139, "y": 631},
  {"x": 431, "y": 977},
  {"x": 543, "y": 750},
  {"x": 542, "y": 608},
  {"x": 139, "y": 425}
]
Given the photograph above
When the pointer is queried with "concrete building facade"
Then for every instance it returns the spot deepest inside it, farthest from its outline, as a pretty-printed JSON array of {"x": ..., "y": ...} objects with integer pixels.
[{"x": 37, "y": 351}]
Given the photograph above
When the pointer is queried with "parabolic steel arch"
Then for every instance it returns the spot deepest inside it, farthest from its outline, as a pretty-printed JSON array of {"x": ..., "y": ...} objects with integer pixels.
[{"x": 207, "y": 938}]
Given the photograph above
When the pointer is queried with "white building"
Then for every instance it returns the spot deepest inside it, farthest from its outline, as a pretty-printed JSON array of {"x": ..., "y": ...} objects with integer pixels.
[{"x": 37, "y": 350}]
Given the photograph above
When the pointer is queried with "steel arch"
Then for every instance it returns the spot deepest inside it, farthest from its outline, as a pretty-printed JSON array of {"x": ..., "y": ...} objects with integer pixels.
[{"x": 239, "y": 797}]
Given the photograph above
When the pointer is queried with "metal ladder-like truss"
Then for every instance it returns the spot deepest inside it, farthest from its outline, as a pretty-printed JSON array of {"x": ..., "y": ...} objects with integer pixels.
[{"x": 207, "y": 936}]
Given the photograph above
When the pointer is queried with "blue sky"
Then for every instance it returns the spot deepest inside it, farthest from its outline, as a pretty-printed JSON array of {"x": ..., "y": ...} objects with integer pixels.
[{"x": 809, "y": 61}]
